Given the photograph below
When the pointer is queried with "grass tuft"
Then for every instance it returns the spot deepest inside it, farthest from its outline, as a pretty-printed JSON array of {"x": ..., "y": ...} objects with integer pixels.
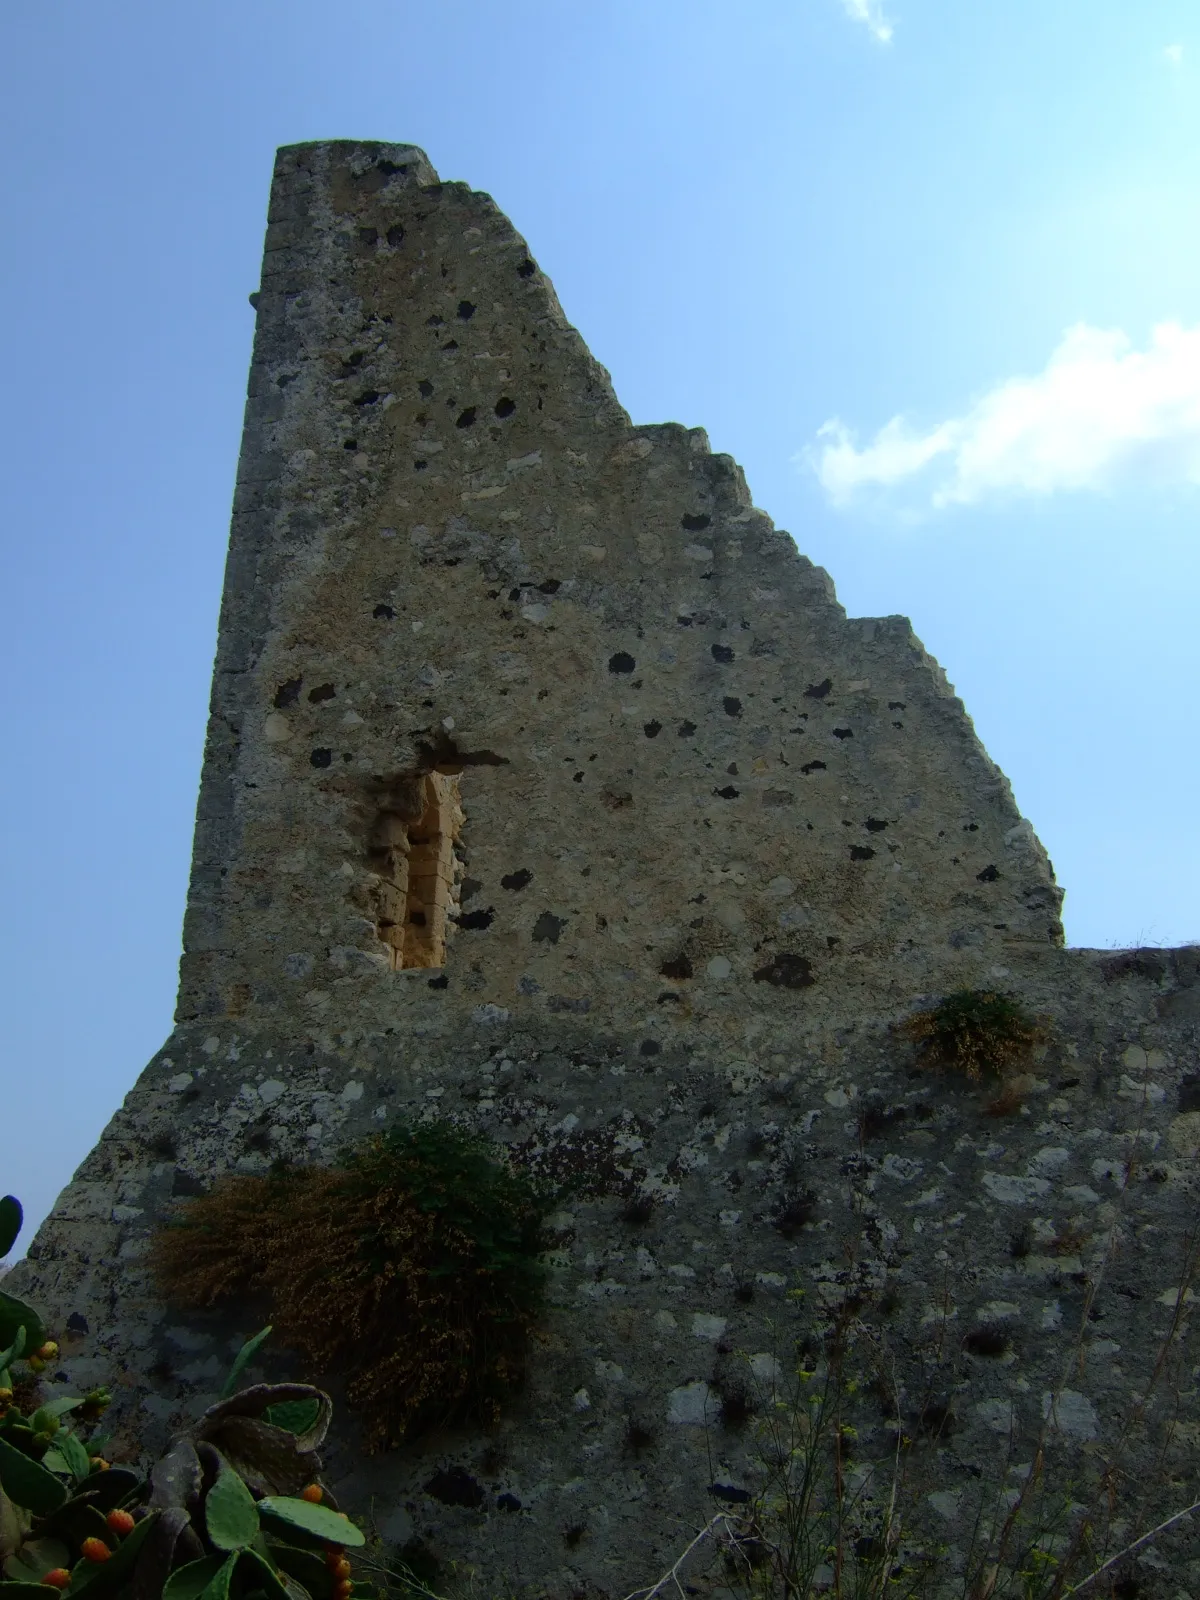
[{"x": 412, "y": 1271}]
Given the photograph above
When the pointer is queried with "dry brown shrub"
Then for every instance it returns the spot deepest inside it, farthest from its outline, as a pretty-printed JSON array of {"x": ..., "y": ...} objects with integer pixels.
[{"x": 412, "y": 1272}]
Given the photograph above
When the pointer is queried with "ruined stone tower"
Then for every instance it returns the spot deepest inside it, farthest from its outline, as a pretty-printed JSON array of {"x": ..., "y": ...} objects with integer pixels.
[{"x": 548, "y": 786}]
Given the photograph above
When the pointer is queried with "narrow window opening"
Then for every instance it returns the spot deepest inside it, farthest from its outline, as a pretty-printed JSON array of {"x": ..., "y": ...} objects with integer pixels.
[{"x": 418, "y": 869}]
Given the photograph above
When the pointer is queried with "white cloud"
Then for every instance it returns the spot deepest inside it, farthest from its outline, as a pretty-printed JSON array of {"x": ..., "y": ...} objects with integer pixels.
[
  {"x": 1174, "y": 54},
  {"x": 1099, "y": 414},
  {"x": 870, "y": 14}
]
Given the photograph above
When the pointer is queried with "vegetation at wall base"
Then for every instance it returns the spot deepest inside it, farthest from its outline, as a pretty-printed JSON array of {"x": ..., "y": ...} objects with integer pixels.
[
  {"x": 412, "y": 1270},
  {"x": 233, "y": 1511}
]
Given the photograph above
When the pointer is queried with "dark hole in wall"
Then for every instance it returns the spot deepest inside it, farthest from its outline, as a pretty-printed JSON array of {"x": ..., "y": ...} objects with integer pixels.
[
  {"x": 722, "y": 653},
  {"x": 639, "y": 1436},
  {"x": 861, "y": 852},
  {"x": 694, "y": 521},
  {"x": 466, "y": 418},
  {"x": 843, "y": 733},
  {"x": 733, "y": 706},
  {"x": 323, "y": 691},
  {"x": 383, "y": 611},
  {"x": 621, "y": 662},
  {"x": 879, "y": 1119},
  {"x": 516, "y": 880},
  {"x": 1020, "y": 1243},
  {"x": 875, "y": 825},
  {"x": 987, "y": 1341},
  {"x": 476, "y": 921},
  {"x": 288, "y": 693},
  {"x": 367, "y": 398},
  {"x": 526, "y": 269},
  {"x": 652, "y": 729},
  {"x": 505, "y": 407},
  {"x": 395, "y": 235},
  {"x": 321, "y": 758},
  {"x": 726, "y": 1491},
  {"x": 678, "y": 967},
  {"x": 1134, "y": 963},
  {"x": 988, "y": 875},
  {"x": 935, "y": 1419},
  {"x": 786, "y": 970},
  {"x": 548, "y": 928},
  {"x": 454, "y": 1486},
  {"x": 466, "y": 310},
  {"x": 686, "y": 730},
  {"x": 813, "y": 766},
  {"x": 794, "y": 1211},
  {"x": 818, "y": 691}
]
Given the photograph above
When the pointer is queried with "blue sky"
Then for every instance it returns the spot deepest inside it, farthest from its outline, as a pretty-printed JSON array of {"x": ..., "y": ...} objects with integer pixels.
[{"x": 926, "y": 269}]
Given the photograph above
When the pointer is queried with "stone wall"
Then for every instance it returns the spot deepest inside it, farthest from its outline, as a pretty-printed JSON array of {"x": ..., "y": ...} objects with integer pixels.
[{"x": 503, "y": 676}]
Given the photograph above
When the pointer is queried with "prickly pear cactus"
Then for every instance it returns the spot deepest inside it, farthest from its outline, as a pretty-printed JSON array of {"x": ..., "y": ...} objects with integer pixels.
[{"x": 234, "y": 1511}]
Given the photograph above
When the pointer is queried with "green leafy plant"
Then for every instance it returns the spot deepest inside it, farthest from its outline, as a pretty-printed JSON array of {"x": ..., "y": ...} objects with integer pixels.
[
  {"x": 218, "y": 1518},
  {"x": 412, "y": 1269},
  {"x": 975, "y": 1032},
  {"x": 11, "y": 1218}
]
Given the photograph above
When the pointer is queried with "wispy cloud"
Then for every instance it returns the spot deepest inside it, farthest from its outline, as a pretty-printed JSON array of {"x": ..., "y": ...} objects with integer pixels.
[
  {"x": 870, "y": 14},
  {"x": 1174, "y": 54},
  {"x": 1099, "y": 414}
]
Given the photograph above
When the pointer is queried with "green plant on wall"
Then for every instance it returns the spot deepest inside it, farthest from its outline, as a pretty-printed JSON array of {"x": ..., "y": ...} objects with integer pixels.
[
  {"x": 412, "y": 1270},
  {"x": 976, "y": 1032}
]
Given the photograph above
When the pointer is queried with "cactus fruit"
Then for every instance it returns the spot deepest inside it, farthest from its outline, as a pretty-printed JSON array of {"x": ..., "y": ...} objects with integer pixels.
[{"x": 68, "y": 1520}]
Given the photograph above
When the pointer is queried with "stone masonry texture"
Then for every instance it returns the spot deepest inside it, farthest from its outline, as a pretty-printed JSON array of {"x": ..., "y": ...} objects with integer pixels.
[{"x": 704, "y": 841}]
